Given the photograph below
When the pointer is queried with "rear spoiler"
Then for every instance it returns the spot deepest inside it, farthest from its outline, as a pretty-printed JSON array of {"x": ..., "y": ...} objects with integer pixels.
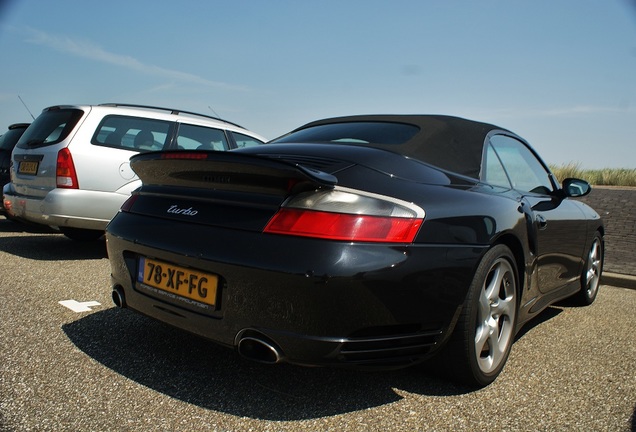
[{"x": 227, "y": 171}]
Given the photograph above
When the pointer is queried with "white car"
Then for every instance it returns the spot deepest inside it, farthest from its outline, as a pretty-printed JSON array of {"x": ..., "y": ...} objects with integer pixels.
[{"x": 70, "y": 169}]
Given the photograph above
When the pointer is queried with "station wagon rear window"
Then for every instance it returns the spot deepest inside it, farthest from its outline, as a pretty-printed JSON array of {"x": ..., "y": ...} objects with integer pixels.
[
  {"x": 51, "y": 127},
  {"x": 245, "y": 140}
]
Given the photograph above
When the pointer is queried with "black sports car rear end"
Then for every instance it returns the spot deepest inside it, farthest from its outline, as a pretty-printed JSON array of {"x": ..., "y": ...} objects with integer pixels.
[{"x": 341, "y": 244}]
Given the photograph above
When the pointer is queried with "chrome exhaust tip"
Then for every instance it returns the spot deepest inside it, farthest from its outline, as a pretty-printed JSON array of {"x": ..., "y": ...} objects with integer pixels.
[
  {"x": 119, "y": 298},
  {"x": 258, "y": 350}
]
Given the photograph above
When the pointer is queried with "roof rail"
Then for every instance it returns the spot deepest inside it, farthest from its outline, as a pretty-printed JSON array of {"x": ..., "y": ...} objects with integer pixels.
[{"x": 171, "y": 110}]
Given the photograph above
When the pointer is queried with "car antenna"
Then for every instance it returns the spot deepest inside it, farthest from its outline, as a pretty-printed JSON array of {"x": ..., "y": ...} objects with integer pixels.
[
  {"x": 214, "y": 112},
  {"x": 27, "y": 108}
]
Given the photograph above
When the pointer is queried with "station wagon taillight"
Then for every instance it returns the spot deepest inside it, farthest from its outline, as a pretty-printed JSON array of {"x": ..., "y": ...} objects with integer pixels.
[{"x": 66, "y": 177}]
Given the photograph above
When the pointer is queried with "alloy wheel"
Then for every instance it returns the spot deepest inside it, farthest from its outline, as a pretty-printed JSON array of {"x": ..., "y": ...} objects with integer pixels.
[
  {"x": 593, "y": 272},
  {"x": 495, "y": 316}
]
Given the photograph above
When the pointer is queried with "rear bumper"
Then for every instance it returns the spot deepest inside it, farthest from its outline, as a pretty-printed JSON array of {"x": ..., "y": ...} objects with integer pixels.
[
  {"x": 64, "y": 207},
  {"x": 394, "y": 350},
  {"x": 318, "y": 302}
]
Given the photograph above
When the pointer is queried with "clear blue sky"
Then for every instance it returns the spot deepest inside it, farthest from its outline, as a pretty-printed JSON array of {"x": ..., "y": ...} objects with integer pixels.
[{"x": 561, "y": 73}]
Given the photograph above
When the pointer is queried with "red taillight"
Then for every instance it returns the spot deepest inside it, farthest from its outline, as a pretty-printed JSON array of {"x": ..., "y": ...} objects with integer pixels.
[
  {"x": 348, "y": 227},
  {"x": 127, "y": 205},
  {"x": 65, "y": 171},
  {"x": 348, "y": 215}
]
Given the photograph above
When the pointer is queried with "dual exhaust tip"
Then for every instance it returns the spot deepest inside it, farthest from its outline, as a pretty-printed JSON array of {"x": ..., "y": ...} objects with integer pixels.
[{"x": 251, "y": 344}]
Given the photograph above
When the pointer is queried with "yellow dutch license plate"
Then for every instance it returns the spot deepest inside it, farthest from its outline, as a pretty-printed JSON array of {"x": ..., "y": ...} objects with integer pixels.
[
  {"x": 178, "y": 281},
  {"x": 28, "y": 167}
]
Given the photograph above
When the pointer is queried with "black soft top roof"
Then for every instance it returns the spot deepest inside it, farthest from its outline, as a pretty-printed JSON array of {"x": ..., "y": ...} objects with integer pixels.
[{"x": 451, "y": 143}]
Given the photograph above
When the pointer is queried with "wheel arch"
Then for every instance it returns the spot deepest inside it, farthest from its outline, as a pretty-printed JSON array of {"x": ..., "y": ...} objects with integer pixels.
[
  {"x": 515, "y": 246},
  {"x": 601, "y": 230}
]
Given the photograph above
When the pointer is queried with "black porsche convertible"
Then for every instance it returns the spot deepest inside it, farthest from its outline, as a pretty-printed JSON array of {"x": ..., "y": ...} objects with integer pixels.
[{"x": 371, "y": 241}]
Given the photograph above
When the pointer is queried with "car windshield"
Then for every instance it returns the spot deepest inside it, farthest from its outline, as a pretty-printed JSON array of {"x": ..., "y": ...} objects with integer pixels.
[
  {"x": 51, "y": 127},
  {"x": 353, "y": 133}
]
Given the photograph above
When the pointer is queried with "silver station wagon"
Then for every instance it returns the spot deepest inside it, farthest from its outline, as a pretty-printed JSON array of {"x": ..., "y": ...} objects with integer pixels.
[{"x": 70, "y": 170}]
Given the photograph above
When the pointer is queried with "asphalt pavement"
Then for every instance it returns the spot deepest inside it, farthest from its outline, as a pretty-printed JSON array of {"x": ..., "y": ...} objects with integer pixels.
[{"x": 84, "y": 365}]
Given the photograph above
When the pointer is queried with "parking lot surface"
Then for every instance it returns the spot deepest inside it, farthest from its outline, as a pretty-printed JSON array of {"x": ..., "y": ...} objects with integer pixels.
[{"x": 84, "y": 365}]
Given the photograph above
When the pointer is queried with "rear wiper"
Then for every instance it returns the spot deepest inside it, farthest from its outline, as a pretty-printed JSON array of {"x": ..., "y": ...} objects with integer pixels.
[{"x": 34, "y": 143}]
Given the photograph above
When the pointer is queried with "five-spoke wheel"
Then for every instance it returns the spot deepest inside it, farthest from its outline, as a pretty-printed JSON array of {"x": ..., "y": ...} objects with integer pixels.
[
  {"x": 591, "y": 275},
  {"x": 495, "y": 316},
  {"x": 485, "y": 330}
]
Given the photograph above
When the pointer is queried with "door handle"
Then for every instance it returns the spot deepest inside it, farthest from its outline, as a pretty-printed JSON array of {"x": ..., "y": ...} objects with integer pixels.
[{"x": 541, "y": 221}]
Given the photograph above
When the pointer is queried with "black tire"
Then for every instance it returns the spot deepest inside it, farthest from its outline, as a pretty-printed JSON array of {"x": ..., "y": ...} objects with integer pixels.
[
  {"x": 485, "y": 331},
  {"x": 591, "y": 274},
  {"x": 80, "y": 234}
]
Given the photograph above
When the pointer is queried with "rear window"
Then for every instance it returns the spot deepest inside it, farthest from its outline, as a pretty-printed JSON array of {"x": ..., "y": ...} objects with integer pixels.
[
  {"x": 245, "y": 140},
  {"x": 191, "y": 137},
  {"x": 51, "y": 127},
  {"x": 386, "y": 133},
  {"x": 10, "y": 137}
]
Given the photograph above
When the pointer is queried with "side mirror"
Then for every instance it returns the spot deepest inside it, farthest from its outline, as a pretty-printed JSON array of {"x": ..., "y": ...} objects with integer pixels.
[{"x": 575, "y": 187}]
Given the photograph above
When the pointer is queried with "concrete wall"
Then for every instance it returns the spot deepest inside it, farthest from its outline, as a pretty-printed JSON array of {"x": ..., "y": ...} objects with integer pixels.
[{"x": 617, "y": 207}]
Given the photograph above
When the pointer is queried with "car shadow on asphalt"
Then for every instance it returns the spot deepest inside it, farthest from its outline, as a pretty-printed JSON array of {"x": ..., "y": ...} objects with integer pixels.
[
  {"x": 9, "y": 225},
  {"x": 45, "y": 244},
  {"x": 545, "y": 315},
  {"x": 197, "y": 371}
]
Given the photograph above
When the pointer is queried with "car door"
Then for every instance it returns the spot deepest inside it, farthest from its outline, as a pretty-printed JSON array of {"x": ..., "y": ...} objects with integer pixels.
[{"x": 556, "y": 225}]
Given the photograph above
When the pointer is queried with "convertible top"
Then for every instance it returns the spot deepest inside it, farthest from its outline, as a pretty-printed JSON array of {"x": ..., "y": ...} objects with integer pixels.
[{"x": 451, "y": 143}]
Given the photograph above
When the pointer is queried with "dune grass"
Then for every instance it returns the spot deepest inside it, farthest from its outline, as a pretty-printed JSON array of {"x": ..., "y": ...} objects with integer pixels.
[{"x": 598, "y": 177}]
